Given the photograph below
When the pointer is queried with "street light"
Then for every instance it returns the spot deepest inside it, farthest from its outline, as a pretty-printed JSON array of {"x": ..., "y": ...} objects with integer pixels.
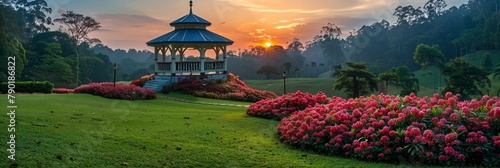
[
  {"x": 284, "y": 82},
  {"x": 114, "y": 75}
]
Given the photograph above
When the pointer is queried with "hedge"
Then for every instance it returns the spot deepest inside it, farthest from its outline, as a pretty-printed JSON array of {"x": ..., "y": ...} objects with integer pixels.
[{"x": 28, "y": 87}]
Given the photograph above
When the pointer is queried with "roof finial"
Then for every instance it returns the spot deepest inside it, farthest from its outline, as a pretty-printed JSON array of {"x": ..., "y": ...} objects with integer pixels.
[{"x": 190, "y": 6}]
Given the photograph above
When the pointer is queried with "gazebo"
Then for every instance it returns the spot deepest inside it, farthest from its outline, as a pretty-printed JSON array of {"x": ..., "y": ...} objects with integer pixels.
[{"x": 190, "y": 33}]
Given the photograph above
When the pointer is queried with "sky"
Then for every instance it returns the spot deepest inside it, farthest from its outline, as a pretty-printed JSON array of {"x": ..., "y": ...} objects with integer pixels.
[{"x": 131, "y": 23}]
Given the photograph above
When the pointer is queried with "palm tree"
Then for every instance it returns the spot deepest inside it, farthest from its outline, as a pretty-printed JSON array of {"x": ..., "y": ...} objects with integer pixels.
[
  {"x": 313, "y": 65},
  {"x": 357, "y": 80},
  {"x": 287, "y": 66}
]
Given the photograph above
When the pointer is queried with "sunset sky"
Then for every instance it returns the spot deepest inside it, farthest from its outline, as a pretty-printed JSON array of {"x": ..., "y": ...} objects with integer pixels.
[{"x": 131, "y": 23}]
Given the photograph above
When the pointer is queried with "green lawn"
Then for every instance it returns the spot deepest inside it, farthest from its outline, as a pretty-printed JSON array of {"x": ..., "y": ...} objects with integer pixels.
[
  {"x": 311, "y": 85},
  {"x": 72, "y": 130}
]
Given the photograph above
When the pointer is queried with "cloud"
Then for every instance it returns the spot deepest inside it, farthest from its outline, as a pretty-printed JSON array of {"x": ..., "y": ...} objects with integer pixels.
[{"x": 289, "y": 26}]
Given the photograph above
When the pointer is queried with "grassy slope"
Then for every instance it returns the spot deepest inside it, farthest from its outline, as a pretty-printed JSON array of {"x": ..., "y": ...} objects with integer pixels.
[
  {"x": 84, "y": 131},
  {"x": 476, "y": 58},
  {"x": 311, "y": 85}
]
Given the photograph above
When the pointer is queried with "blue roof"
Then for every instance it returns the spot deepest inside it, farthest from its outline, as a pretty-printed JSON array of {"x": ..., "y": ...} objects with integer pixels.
[
  {"x": 190, "y": 36},
  {"x": 190, "y": 19}
]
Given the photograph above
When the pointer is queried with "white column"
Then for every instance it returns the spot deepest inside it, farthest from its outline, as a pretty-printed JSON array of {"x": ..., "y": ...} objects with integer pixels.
[
  {"x": 202, "y": 58},
  {"x": 224, "y": 52},
  {"x": 156, "y": 59},
  {"x": 172, "y": 57}
]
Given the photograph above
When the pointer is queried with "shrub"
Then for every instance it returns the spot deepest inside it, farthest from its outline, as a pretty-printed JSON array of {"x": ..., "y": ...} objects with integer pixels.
[
  {"x": 388, "y": 128},
  {"x": 233, "y": 89},
  {"x": 142, "y": 81},
  {"x": 29, "y": 87},
  {"x": 120, "y": 91},
  {"x": 62, "y": 90},
  {"x": 285, "y": 105}
]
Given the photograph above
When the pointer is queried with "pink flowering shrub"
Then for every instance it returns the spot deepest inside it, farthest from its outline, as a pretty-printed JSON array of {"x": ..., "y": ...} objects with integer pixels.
[
  {"x": 62, "y": 90},
  {"x": 232, "y": 89},
  {"x": 120, "y": 91},
  {"x": 429, "y": 130},
  {"x": 142, "y": 80},
  {"x": 285, "y": 105}
]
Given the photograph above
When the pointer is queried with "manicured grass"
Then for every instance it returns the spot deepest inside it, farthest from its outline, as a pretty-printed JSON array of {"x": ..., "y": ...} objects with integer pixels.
[
  {"x": 311, "y": 85},
  {"x": 201, "y": 99},
  {"x": 73, "y": 130}
]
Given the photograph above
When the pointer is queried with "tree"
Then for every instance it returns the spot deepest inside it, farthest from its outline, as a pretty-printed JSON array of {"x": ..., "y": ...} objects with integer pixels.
[
  {"x": 465, "y": 79},
  {"x": 268, "y": 70},
  {"x": 388, "y": 77},
  {"x": 313, "y": 65},
  {"x": 427, "y": 55},
  {"x": 357, "y": 80},
  {"x": 495, "y": 74},
  {"x": 330, "y": 42},
  {"x": 487, "y": 62},
  {"x": 78, "y": 27},
  {"x": 287, "y": 66},
  {"x": 27, "y": 17},
  {"x": 406, "y": 80}
]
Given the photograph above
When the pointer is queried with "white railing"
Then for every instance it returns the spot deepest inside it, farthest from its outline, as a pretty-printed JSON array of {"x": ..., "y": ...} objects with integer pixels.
[{"x": 182, "y": 67}]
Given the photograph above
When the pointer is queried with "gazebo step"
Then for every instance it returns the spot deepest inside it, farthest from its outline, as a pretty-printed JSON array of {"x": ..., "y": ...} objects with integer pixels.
[{"x": 157, "y": 83}]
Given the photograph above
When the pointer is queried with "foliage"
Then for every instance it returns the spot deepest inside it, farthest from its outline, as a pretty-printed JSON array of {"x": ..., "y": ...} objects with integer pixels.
[
  {"x": 441, "y": 131},
  {"x": 465, "y": 79},
  {"x": 268, "y": 70},
  {"x": 29, "y": 87},
  {"x": 118, "y": 91},
  {"x": 406, "y": 80},
  {"x": 388, "y": 77},
  {"x": 232, "y": 89},
  {"x": 357, "y": 80},
  {"x": 285, "y": 105},
  {"x": 142, "y": 80},
  {"x": 487, "y": 62}
]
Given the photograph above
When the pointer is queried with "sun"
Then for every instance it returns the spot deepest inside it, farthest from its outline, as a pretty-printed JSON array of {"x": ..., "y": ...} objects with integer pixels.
[{"x": 268, "y": 44}]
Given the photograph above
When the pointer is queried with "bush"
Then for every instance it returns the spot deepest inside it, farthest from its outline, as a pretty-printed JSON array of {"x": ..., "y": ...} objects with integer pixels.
[
  {"x": 29, "y": 87},
  {"x": 233, "y": 89},
  {"x": 425, "y": 130},
  {"x": 285, "y": 105},
  {"x": 62, "y": 90},
  {"x": 142, "y": 81},
  {"x": 120, "y": 91}
]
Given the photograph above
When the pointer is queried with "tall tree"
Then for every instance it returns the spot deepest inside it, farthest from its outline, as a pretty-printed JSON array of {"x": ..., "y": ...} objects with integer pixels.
[
  {"x": 79, "y": 27},
  {"x": 357, "y": 80},
  {"x": 427, "y": 55},
  {"x": 465, "y": 79},
  {"x": 487, "y": 62},
  {"x": 330, "y": 43},
  {"x": 268, "y": 70},
  {"x": 30, "y": 16},
  {"x": 313, "y": 66}
]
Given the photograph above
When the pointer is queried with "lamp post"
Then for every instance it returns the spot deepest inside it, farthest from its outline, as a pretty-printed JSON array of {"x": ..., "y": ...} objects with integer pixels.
[
  {"x": 114, "y": 75},
  {"x": 284, "y": 82}
]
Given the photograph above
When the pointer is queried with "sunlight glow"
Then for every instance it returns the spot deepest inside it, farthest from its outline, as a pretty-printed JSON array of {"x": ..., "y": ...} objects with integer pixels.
[{"x": 268, "y": 44}]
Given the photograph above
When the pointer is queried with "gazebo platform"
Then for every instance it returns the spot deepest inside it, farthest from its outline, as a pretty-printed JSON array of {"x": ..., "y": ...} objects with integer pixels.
[{"x": 159, "y": 81}]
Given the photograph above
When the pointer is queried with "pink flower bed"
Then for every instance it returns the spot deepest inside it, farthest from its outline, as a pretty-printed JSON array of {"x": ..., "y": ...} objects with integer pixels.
[
  {"x": 285, "y": 105},
  {"x": 429, "y": 130},
  {"x": 232, "y": 89},
  {"x": 62, "y": 90},
  {"x": 120, "y": 91}
]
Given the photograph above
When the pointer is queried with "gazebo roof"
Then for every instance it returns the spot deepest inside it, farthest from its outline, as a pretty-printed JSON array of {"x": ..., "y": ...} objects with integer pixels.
[
  {"x": 190, "y": 36},
  {"x": 190, "y": 29},
  {"x": 190, "y": 19}
]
